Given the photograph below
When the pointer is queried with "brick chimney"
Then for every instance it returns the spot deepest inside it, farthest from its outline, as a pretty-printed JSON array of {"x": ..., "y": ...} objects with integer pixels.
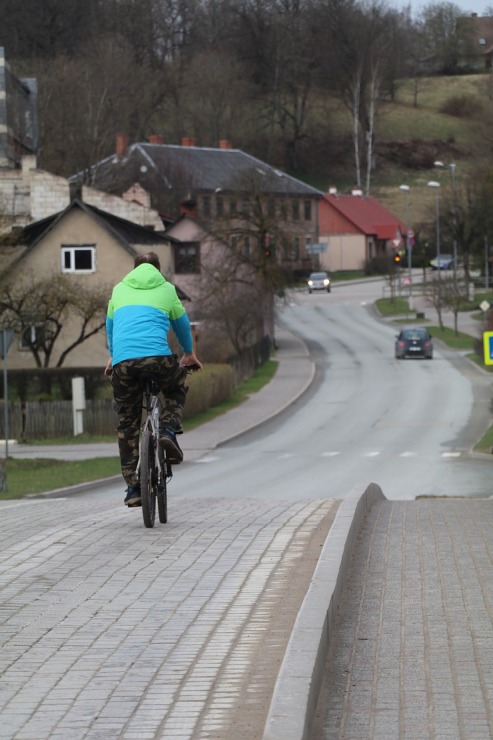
[
  {"x": 188, "y": 208},
  {"x": 121, "y": 144},
  {"x": 188, "y": 141},
  {"x": 225, "y": 144},
  {"x": 155, "y": 139}
]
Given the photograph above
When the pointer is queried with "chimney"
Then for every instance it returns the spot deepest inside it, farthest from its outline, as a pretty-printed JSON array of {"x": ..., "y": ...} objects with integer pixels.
[
  {"x": 332, "y": 190},
  {"x": 188, "y": 141},
  {"x": 188, "y": 207},
  {"x": 356, "y": 191},
  {"x": 225, "y": 144},
  {"x": 474, "y": 15},
  {"x": 121, "y": 144},
  {"x": 155, "y": 139}
]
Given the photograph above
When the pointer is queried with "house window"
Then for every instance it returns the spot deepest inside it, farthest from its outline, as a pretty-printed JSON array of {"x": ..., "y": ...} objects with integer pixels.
[
  {"x": 206, "y": 206},
  {"x": 31, "y": 336},
  {"x": 219, "y": 207},
  {"x": 233, "y": 207},
  {"x": 187, "y": 257},
  {"x": 295, "y": 210},
  {"x": 78, "y": 258},
  {"x": 271, "y": 208},
  {"x": 308, "y": 210}
]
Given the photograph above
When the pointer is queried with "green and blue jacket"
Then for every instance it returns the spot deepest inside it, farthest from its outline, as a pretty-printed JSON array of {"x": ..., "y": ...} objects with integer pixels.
[{"x": 142, "y": 308}]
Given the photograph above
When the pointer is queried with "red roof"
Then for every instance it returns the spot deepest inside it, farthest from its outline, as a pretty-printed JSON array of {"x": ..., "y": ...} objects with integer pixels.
[{"x": 367, "y": 214}]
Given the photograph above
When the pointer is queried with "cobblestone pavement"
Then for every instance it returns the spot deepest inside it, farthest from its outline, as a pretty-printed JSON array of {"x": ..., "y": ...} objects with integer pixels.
[
  {"x": 413, "y": 650},
  {"x": 109, "y": 630}
]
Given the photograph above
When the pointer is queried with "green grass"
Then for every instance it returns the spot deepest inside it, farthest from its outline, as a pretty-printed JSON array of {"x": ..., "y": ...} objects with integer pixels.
[
  {"x": 486, "y": 443},
  {"x": 38, "y": 475},
  {"x": 347, "y": 275},
  {"x": 459, "y": 341},
  {"x": 392, "y": 306},
  {"x": 31, "y": 476}
]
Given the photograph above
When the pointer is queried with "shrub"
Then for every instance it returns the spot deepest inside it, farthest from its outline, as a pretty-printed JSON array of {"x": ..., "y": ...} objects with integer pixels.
[
  {"x": 211, "y": 386},
  {"x": 462, "y": 106}
]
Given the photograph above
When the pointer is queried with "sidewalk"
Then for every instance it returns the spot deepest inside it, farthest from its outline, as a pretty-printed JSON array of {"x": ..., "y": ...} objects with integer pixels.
[{"x": 413, "y": 651}]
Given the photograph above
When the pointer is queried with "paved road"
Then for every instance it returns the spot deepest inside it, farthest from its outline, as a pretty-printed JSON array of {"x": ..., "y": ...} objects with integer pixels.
[{"x": 112, "y": 631}]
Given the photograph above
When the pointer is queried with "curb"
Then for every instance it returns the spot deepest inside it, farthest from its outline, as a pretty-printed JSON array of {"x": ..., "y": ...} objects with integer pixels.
[
  {"x": 77, "y": 488},
  {"x": 301, "y": 675}
]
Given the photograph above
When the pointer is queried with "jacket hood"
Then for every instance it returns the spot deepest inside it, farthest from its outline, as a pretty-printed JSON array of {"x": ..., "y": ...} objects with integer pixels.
[{"x": 144, "y": 277}]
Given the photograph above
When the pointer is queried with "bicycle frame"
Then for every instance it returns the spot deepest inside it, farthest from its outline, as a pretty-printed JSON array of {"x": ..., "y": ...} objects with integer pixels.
[{"x": 154, "y": 480}]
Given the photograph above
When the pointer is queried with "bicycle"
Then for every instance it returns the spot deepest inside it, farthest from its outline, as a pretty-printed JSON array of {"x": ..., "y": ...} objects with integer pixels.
[{"x": 155, "y": 471}]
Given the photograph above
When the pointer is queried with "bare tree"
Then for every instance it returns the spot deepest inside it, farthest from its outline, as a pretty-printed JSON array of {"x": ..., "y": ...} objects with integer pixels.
[
  {"x": 435, "y": 296},
  {"x": 39, "y": 310}
]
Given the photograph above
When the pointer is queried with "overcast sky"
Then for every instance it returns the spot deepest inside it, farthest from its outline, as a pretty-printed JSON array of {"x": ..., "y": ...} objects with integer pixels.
[{"x": 471, "y": 6}]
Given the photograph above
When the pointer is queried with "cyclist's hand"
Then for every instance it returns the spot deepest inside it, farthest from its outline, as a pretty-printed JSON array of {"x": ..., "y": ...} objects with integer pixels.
[{"x": 190, "y": 361}]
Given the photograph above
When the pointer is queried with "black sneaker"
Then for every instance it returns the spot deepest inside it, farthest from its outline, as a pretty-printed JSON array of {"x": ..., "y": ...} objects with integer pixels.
[
  {"x": 133, "y": 497},
  {"x": 167, "y": 440}
]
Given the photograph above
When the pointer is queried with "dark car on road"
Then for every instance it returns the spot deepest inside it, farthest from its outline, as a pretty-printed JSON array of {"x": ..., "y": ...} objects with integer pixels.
[{"x": 414, "y": 342}]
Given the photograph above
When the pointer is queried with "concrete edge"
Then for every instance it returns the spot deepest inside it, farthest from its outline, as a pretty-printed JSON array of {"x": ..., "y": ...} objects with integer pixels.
[
  {"x": 77, "y": 488},
  {"x": 301, "y": 674}
]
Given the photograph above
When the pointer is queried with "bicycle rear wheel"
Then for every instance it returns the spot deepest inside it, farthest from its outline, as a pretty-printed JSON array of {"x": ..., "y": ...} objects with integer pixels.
[
  {"x": 148, "y": 479},
  {"x": 162, "y": 490}
]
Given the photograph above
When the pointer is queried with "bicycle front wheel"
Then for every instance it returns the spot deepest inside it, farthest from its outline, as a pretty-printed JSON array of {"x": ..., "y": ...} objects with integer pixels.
[
  {"x": 148, "y": 479},
  {"x": 162, "y": 491}
]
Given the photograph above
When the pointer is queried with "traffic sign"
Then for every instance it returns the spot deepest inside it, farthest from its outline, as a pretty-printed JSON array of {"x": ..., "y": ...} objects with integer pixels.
[
  {"x": 316, "y": 248},
  {"x": 488, "y": 347}
]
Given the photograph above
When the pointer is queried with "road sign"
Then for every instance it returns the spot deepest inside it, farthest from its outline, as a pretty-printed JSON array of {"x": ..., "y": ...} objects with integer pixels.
[
  {"x": 6, "y": 336},
  {"x": 484, "y": 306},
  {"x": 405, "y": 280},
  {"x": 316, "y": 248},
  {"x": 488, "y": 347}
]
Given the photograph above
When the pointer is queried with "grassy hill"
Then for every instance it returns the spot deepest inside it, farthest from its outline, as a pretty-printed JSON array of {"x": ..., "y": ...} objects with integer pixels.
[{"x": 443, "y": 126}]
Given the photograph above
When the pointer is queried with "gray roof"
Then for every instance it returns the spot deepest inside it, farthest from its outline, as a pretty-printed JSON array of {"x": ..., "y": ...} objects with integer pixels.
[{"x": 165, "y": 167}]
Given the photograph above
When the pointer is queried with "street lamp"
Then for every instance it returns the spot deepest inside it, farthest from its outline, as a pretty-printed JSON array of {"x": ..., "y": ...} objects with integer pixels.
[
  {"x": 406, "y": 189},
  {"x": 452, "y": 168},
  {"x": 434, "y": 184}
]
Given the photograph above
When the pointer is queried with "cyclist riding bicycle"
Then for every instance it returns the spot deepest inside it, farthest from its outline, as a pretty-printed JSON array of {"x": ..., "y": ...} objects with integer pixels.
[{"x": 142, "y": 309}]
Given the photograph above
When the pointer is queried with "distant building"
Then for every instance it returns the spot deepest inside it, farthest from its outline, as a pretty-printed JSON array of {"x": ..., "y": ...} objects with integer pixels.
[
  {"x": 225, "y": 188},
  {"x": 18, "y": 116},
  {"x": 355, "y": 229},
  {"x": 476, "y": 39}
]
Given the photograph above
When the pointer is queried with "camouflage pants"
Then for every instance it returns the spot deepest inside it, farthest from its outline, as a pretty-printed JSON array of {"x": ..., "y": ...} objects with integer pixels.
[{"x": 127, "y": 395}]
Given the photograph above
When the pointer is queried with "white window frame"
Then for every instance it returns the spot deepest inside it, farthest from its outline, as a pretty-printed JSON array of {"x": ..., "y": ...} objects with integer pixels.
[{"x": 71, "y": 249}]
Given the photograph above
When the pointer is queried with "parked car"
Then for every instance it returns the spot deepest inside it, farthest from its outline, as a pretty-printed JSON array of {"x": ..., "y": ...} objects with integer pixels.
[
  {"x": 318, "y": 281},
  {"x": 443, "y": 262},
  {"x": 414, "y": 342}
]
